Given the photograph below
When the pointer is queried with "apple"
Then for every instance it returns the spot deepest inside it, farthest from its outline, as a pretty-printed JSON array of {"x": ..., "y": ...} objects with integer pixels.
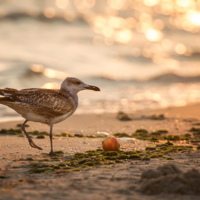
[{"x": 110, "y": 144}]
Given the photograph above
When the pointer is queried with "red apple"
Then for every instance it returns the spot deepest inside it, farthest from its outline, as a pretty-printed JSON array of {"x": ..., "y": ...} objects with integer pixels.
[{"x": 110, "y": 144}]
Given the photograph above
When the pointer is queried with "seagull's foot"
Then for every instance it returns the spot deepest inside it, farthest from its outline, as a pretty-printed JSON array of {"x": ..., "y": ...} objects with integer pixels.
[
  {"x": 32, "y": 144},
  {"x": 52, "y": 153}
]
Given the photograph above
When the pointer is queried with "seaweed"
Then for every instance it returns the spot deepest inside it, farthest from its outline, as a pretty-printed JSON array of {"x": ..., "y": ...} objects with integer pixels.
[
  {"x": 123, "y": 116},
  {"x": 121, "y": 135}
]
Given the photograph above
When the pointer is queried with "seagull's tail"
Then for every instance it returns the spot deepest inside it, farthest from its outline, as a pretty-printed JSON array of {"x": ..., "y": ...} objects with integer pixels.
[{"x": 7, "y": 94}]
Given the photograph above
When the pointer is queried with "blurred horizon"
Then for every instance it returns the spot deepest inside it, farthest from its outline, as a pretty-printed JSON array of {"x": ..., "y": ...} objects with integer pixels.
[{"x": 143, "y": 54}]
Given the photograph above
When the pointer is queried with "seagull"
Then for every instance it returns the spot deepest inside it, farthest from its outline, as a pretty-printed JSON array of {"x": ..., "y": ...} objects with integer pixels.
[{"x": 48, "y": 106}]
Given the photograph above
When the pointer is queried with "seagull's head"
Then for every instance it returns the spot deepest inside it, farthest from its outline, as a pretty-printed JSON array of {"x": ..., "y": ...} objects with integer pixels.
[{"x": 75, "y": 85}]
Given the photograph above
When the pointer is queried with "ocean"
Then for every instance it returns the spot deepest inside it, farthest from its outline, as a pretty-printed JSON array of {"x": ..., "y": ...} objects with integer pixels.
[{"x": 141, "y": 54}]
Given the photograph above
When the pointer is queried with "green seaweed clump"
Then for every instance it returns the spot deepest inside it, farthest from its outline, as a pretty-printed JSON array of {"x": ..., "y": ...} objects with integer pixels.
[
  {"x": 154, "y": 117},
  {"x": 19, "y": 125},
  {"x": 59, "y": 152},
  {"x": 10, "y": 131},
  {"x": 30, "y": 159},
  {"x": 123, "y": 116},
  {"x": 150, "y": 148},
  {"x": 111, "y": 153},
  {"x": 78, "y": 135},
  {"x": 120, "y": 135},
  {"x": 168, "y": 158},
  {"x": 43, "y": 133},
  {"x": 122, "y": 156},
  {"x": 135, "y": 157},
  {"x": 40, "y": 137},
  {"x": 157, "y": 117},
  {"x": 89, "y": 163},
  {"x": 159, "y": 132},
  {"x": 168, "y": 143},
  {"x": 140, "y": 134}
]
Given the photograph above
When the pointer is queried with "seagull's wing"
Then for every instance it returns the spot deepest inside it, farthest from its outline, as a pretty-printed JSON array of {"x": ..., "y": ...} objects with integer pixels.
[{"x": 45, "y": 101}]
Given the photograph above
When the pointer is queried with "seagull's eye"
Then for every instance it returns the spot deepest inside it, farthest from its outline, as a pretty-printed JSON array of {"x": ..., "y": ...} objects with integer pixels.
[{"x": 77, "y": 83}]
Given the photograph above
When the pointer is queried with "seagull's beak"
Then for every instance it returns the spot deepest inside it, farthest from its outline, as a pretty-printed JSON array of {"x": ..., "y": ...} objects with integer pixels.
[{"x": 91, "y": 87}]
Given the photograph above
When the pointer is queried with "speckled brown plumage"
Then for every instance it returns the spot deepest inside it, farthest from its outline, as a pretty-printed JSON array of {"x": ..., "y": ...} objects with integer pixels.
[
  {"x": 45, "y": 101},
  {"x": 49, "y": 106}
]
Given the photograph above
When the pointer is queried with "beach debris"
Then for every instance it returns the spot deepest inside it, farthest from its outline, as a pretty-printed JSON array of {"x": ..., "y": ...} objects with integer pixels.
[
  {"x": 127, "y": 139},
  {"x": 171, "y": 180},
  {"x": 110, "y": 144},
  {"x": 103, "y": 134},
  {"x": 123, "y": 116}
]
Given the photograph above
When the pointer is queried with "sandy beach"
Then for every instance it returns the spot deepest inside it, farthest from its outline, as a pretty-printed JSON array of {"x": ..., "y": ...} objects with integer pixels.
[
  {"x": 121, "y": 180},
  {"x": 144, "y": 57}
]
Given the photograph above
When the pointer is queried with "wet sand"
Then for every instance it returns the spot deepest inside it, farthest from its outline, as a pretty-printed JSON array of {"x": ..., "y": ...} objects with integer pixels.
[{"x": 115, "y": 181}]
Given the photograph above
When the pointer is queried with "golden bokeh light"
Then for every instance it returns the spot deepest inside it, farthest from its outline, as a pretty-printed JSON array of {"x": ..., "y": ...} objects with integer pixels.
[
  {"x": 50, "y": 73},
  {"x": 153, "y": 35},
  {"x": 108, "y": 32},
  {"x": 88, "y": 3},
  {"x": 69, "y": 16},
  {"x": 52, "y": 85},
  {"x": 183, "y": 3},
  {"x": 49, "y": 12},
  {"x": 150, "y": 2},
  {"x": 116, "y": 22},
  {"x": 180, "y": 48},
  {"x": 37, "y": 68},
  {"x": 145, "y": 18},
  {"x": 99, "y": 21},
  {"x": 124, "y": 36},
  {"x": 116, "y": 4},
  {"x": 188, "y": 52},
  {"x": 194, "y": 17},
  {"x": 62, "y": 4}
]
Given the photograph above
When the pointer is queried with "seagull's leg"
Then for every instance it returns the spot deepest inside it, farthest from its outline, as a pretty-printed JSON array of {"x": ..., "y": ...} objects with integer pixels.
[
  {"x": 32, "y": 144},
  {"x": 50, "y": 136}
]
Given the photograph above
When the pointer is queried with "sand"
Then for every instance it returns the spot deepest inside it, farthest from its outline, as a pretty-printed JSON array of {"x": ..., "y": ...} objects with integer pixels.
[{"x": 115, "y": 181}]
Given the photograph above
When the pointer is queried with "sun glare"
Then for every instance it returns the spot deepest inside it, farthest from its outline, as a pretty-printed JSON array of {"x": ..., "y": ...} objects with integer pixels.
[
  {"x": 153, "y": 35},
  {"x": 194, "y": 17},
  {"x": 150, "y": 2},
  {"x": 124, "y": 36},
  {"x": 52, "y": 85}
]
